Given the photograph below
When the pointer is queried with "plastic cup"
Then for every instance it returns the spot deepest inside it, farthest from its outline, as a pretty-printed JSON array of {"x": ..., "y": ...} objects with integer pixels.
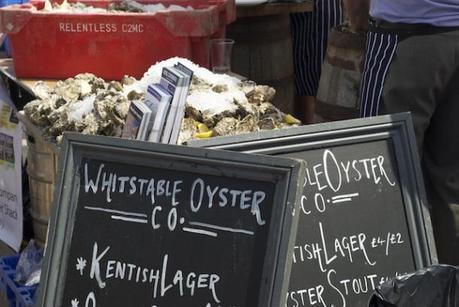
[{"x": 220, "y": 55}]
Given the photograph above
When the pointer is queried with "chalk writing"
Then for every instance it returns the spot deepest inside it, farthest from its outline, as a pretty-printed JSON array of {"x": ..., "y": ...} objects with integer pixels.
[
  {"x": 320, "y": 175},
  {"x": 197, "y": 236},
  {"x": 163, "y": 280},
  {"x": 244, "y": 200},
  {"x": 202, "y": 195},
  {"x": 319, "y": 295},
  {"x": 340, "y": 257}
]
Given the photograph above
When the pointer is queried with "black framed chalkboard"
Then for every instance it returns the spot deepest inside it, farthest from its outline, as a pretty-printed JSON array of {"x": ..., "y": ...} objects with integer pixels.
[
  {"x": 363, "y": 212},
  {"x": 144, "y": 224}
]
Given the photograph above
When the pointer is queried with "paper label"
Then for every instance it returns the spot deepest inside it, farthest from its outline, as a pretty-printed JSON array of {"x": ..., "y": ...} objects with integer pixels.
[{"x": 11, "y": 218}]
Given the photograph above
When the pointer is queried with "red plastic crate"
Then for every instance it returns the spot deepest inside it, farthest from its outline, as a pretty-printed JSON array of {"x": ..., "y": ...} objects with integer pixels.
[{"x": 56, "y": 46}]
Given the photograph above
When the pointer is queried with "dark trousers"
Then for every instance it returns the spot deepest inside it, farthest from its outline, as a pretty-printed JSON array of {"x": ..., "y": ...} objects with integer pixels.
[
  {"x": 310, "y": 33},
  {"x": 419, "y": 72}
]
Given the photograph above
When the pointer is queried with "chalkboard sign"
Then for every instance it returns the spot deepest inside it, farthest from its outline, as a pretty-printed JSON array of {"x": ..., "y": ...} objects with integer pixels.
[
  {"x": 363, "y": 215},
  {"x": 144, "y": 224}
]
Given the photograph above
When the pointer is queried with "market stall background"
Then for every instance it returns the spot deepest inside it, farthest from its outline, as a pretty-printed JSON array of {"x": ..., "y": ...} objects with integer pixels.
[
  {"x": 42, "y": 166},
  {"x": 262, "y": 37}
]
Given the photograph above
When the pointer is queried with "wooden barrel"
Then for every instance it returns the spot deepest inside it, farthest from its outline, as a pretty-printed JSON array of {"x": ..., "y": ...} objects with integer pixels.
[
  {"x": 263, "y": 53},
  {"x": 338, "y": 94},
  {"x": 42, "y": 163}
]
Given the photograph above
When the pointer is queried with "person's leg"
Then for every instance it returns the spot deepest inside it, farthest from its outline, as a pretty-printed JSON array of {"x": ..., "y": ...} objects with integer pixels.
[
  {"x": 310, "y": 38},
  {"x": 379, "y": 56},
  {"x": 441, "y": 165},
  {"x": 302, "y": 31},
  {"x": 417, "y": 78},
  {"x": 422, "y": 79},
  {"x": 307, "y": 108}
]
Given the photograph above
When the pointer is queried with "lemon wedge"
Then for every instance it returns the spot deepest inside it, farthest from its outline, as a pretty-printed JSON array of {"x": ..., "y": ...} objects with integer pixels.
[
  {"x": 204, "y": 135},
  {"x": 202, "y": 127},
  {"x": 289, "y": 119}
]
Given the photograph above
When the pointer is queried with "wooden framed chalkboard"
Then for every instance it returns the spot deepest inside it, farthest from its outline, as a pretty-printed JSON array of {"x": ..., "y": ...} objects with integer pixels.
[
  {"x": 363, "y": 213},
  {"x": 144, "y": 224}
]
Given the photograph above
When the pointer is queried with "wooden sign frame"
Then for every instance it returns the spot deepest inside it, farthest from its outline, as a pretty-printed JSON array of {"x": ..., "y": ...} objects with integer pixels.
[
  {"x": 284, "y": 173},
  {"x": 398, "y": 128}
]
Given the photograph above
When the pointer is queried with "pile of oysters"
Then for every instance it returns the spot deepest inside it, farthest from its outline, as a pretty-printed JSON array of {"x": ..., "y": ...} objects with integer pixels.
[
  {"x": 216, "y": 105},
  {"x": 247, "y": 108},
  {"x": 85, "y": 104}
]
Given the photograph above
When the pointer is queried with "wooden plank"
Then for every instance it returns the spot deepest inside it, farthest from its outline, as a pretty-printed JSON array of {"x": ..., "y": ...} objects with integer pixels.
[{"x": 7, "y": 69}]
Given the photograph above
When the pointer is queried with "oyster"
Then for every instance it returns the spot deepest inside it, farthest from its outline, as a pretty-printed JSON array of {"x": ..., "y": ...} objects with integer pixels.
[
  {"x": 68, "y": 90},
  {"x": 122, "y": 109},
  {"x": 219, "y": 88},
  {"x": 209, "y": 107},
  {"x": 261, "y": 93},
  {"x": 233, "y": 126},
  {"x": 127, "y": 80},
  {"x": 38, "y": 110},
  {"x": 198, "y": 84},
  {"x": 90, "y": 124},
  {"x": 248, "y": 124},
  {"x": 226, "y": 126},
  {"x": 267, "y": 123},
  {"x": 248, "y": 86},
  {"x": 41, "y": 90},
  {"x": 187, "y": 130},
  {"x": 135, "y": 95},
  {"x": 115, "y": 86},
  {"x": 268, "y": 110}
]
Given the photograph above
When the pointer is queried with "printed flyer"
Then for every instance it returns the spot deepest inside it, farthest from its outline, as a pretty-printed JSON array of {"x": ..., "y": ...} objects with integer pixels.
[{"x": 10, "y": 173}]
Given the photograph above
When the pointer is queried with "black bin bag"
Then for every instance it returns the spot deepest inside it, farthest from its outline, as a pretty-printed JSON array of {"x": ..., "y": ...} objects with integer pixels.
[{"x": 434, "y": 286}]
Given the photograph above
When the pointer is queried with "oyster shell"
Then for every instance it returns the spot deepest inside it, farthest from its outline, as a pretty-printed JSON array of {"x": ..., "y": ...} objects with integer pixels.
[
  {"x": 248, "y": 86},
  {"x": 261, "y": 93},
  {"x": 38, "y": 110},
  {"x": 248, "y": 124},
  {"x": 267, "y": 123},
  {"x": 41, "y": 90},
  {"x": 68, "y": 90},
  {"x": 115, "y": 86},
  {"x": 232, "y": 126},
  {"x": 267, "y": 109},
  {"x": 122, "y": 109},
  {"x": 187, "y": 131},
  {"x": 226, "y": 126},
  {"x": 127, "y": 80},
  {"x": 209, "y": 107},
  {"x": 219, "y": 88}
]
